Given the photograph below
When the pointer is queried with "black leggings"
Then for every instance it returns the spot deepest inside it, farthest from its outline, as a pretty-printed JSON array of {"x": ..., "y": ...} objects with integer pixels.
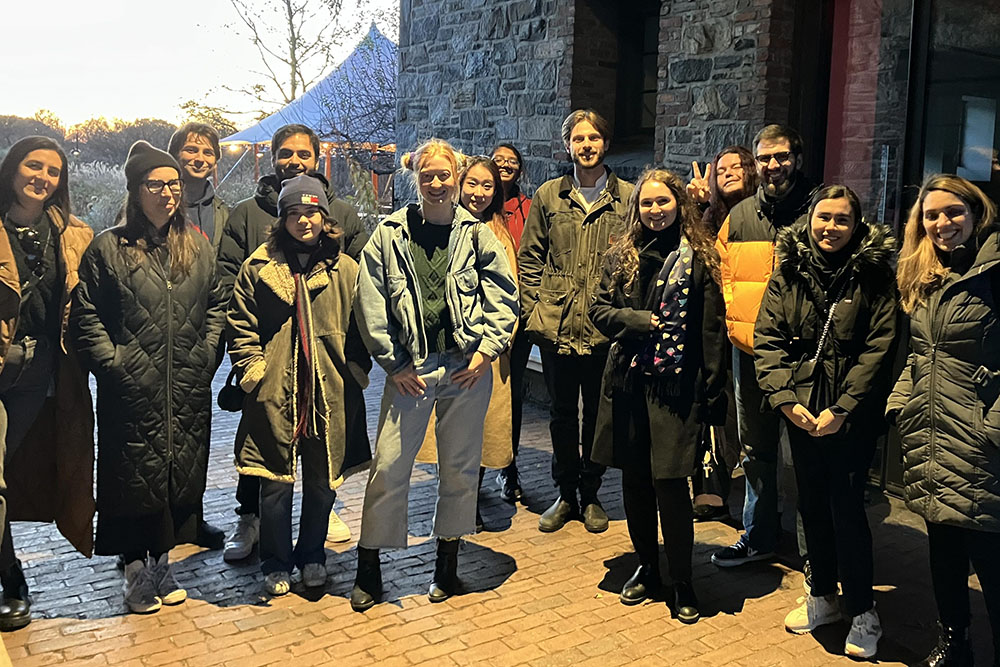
[
  {"x": 643, "y": 496},
  {"x": 951, "y": 550}
]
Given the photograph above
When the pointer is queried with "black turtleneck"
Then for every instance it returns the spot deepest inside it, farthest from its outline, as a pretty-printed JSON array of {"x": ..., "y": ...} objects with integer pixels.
[{"x": 653, "y": 250}]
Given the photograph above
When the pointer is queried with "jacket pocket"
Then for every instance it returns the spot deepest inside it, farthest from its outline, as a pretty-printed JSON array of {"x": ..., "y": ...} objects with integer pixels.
[{"x": 547, "y": 315}]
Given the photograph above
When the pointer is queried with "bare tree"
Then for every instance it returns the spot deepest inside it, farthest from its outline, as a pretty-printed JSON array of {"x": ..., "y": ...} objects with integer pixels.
[{"x": 297, "y": 41}]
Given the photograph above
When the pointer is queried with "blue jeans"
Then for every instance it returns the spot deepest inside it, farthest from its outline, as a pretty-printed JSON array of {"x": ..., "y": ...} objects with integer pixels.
[
  {"x": 760, "y": 431},
  {"x": 402, "y": 425},
  {"x": 276, "y": 552}
]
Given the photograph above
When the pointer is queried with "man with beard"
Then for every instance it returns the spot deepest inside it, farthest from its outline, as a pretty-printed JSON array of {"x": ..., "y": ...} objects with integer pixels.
[
  {"x": 571, "y": 223},
  {"x": 196, "y": 148},
  {"x": 746, "y": 248},
  {"x": 294, "y": 151}
]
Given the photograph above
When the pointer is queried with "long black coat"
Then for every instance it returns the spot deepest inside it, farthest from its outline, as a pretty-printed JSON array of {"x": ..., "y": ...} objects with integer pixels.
[
  {"x": 948, "y": 399},
  {"x": 675, "y": 424},
  {"x": 854, "y": 364},
  {"x": 150, "y": 343}
]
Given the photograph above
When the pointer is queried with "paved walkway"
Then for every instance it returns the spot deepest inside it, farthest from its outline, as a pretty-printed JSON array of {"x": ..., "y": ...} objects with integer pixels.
[{"x": 533, "y": 599}]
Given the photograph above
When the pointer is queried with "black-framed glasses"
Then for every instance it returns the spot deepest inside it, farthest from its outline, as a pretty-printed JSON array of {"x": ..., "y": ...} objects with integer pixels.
[
  {"x": 155, "y": 187},
  {"x": 509, "y": 161},
  {"x": 783, "y": 157}
]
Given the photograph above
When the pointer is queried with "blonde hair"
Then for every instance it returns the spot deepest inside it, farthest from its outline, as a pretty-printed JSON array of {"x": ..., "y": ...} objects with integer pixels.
[
  {"x": 434, "y": 148},
  {"x": 920, "y": 271},
  {"x": 624, "y": 254}
]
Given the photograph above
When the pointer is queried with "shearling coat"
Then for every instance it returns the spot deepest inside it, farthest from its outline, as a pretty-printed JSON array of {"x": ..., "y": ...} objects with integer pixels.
[
  {"x": 50, "y": 477},
  {"x": 263, "y": 348},
  {"x": 150, "y": 342},
  {"x": 947, "y": 400},
  {"x": 854, "y": 363}
]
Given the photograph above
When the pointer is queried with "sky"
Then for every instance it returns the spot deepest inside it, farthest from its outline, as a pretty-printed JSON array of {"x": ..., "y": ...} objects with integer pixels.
[{"x": 131, "y": 59}]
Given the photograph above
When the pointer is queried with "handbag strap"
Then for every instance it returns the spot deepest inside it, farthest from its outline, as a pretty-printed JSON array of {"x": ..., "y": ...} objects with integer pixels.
[{"x": 829, "y": 322}]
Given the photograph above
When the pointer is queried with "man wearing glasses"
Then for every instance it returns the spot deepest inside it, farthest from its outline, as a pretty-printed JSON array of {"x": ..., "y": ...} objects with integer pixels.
[{"x": 746, "y": 248}]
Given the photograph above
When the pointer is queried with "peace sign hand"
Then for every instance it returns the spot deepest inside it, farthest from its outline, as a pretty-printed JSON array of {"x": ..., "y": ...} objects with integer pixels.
[{"x": 698, "y": 189}]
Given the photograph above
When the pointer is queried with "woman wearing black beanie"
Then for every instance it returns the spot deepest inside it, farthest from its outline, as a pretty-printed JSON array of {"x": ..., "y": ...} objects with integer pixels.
[{"x": 146, "y": 320}]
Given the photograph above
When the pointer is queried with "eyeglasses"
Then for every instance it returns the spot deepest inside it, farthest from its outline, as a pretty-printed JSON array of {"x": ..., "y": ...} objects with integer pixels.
[
  {"x": 783, "y": 157},
  {"x": 509, "y": 161},
  {"x": 156, "y": 187}
]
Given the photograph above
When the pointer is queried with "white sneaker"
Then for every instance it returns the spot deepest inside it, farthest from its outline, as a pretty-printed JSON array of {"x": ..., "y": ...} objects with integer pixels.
[
  {"x": 140, "y": 592},
  {"x": 277, "y": 583},
  {"x": 337, "y": 530},
  {"x": 814, "y": 612},
  {"x": 314, "y": 575},
  {"x": 862, "y": 640},
  {"x": 240, "y": 544},
  {"x": 167, "y": 588}
]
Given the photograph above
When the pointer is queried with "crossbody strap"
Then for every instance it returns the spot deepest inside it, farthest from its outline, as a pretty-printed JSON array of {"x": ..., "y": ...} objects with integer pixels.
[{"x": 829, "y": 322}]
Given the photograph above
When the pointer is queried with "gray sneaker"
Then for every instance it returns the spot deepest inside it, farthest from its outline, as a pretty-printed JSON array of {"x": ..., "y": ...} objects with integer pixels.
[
  {"x": 139, "y": 589},
  {"x": 240, "y": 544},
  {"x": 167, "y": 588}
]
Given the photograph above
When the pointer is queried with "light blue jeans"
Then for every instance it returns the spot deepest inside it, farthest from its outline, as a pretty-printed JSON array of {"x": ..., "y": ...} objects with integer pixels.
[{"x": 402, "y": 426}]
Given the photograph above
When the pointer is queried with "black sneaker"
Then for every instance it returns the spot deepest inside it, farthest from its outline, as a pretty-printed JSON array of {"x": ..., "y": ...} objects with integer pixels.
[
  {"x": 739, "y": 554},
  {"x": 510, "y": 486}
]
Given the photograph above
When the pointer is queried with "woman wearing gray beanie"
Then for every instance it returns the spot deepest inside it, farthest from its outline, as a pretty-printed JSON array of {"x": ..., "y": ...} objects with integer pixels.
[{"x": 146, "y": 319}]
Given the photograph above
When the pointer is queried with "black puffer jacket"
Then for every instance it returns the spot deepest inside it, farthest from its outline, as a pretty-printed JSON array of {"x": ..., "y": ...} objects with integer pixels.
[
  {"x": 947, "y": 400},
  {"x": 853, "y": 366},
  {"x": 250, "y": 221},
  {"x": 149, "y": 342}
]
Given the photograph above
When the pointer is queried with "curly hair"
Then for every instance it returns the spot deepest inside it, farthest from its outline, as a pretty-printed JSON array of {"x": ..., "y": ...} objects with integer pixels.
[{"x": 624, "y": 253}]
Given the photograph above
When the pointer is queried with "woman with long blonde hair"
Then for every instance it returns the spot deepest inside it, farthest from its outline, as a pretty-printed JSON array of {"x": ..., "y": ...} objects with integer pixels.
[
  {"x": 946, "y": 403},
  {"x": 436, "y": 303}
]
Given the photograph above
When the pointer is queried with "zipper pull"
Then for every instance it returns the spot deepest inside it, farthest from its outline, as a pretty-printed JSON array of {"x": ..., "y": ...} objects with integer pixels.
[{"x": 170, "y": 285}]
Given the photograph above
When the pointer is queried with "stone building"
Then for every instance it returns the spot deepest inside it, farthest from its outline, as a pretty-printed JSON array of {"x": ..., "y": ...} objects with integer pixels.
[{"x": 883, "y": 91}]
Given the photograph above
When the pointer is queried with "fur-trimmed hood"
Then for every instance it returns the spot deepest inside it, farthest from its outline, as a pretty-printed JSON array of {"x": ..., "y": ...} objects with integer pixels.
[{"x": 874, "y": 256}]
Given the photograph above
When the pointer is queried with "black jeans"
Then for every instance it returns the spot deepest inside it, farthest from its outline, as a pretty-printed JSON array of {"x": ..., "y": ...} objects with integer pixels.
[
  {"x": 248, "y": 495},
  {"x": 24, "y": 384},
  {"x": 643, "y": 497},
  {"x": 520, "y": 350},
  {"x": 567, "y": 378},
  {"x": 951, "y": 550},
  {"x": 830, "y": 474}
]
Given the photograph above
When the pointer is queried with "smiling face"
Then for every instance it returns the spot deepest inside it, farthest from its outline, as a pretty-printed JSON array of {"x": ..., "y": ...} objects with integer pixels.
[
  {"x": 304, "y": 223},
  {"x": 37, "y": 177},
  {"x": 947, "y": 220},
  {"x": 478, "y": 190},
  {"x": 508, "y": 164},
  {"x": 436, "y": 180},
  {"x": 197, "y": 157},
  {"x": 295, "y": 156},
  {"x": 159, "y": 207},
  {"x": 586, "y": 145},
  {"x": 832, "y": 223},
  {"x": 729, "y": 174},
  {"x": 657, "y": 205},
  {"x": 777, "y": 165}
]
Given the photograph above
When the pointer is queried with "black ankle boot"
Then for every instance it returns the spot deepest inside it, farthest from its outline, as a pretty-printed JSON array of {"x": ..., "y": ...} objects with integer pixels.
[
  {"x": 953, "y": 649},
  {"x": 640, "y": 585},
  {"x": 15, "y": 612},
  {"x": 445, "y": 582},
  {"x": 686, "y": 602},
  {"x": 368, "y": 582}
]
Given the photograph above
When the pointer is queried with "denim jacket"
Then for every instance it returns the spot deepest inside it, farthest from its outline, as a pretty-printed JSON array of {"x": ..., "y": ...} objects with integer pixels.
[{"x": 480, "y": 290}]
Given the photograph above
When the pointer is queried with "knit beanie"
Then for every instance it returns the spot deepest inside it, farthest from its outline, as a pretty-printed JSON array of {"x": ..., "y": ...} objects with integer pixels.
[
  {"x": 142, "y": 159},
  {"x": 302, "y": 189}
]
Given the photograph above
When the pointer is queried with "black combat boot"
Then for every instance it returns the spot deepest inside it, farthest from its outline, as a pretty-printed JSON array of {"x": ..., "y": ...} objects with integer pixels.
[
  {"x": 368, "y": 582},
  {"x": 15, "y": 612},
  {"x": 445, "y": 582},
  {"x": 953, "y": 649}
]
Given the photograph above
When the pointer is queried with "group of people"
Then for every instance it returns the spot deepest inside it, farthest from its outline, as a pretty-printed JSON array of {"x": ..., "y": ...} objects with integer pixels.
[{"x": 637, "y": 295}]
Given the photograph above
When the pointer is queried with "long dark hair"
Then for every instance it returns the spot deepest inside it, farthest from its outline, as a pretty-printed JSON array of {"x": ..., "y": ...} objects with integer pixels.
[
  {"x": 14, "y": 158},
  {"x": 493, "y": 215},
  {"x": 181, "y": 243},
  {"x": 624, "y": 254},
  {"x": 718, "y": 209}
]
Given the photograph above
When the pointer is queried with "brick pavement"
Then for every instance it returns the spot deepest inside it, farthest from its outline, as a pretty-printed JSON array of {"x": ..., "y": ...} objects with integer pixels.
[{"x": 533, "y": 599}]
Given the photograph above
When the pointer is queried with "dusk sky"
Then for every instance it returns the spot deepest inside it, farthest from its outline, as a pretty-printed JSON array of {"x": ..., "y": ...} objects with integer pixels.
[{"x": 129, "y": 58}]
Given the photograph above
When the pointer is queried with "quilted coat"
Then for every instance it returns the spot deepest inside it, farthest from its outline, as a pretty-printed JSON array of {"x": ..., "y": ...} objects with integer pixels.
[
  {"x": 150, "y": 343},
  {"x": 947, "y": 400},
  {"x": 50, "y": 477},
  {"x": 263, "y": 349}
]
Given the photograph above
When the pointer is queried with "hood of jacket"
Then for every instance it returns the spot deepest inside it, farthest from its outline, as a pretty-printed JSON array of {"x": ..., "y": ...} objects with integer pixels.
[
  {"x": 269, "y": 187},
  {"x": 875, "y": 254}
]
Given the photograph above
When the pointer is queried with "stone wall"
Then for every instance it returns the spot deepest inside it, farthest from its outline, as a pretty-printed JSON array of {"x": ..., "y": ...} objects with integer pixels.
[
  {"x": 476, "y": 72},
  {"x": 725, "y": 70}
]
